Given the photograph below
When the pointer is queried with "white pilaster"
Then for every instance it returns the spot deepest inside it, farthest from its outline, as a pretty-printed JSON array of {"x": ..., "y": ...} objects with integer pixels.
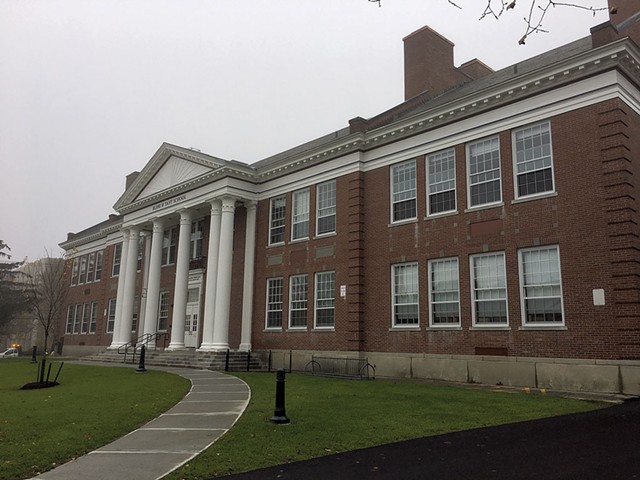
[
  {"x": 212, "y": 276},
  {"x": 115, "y": 341},
  {"x": 247, "y": 289},
  {"x": 129, "y": 286},
  {"x": 153, "y": 285},
  {"x": 223, "y": 287},
  {"x": 182, "y": 283}
]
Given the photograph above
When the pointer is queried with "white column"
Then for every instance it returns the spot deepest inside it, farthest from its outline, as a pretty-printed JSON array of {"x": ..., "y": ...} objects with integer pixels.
[
  {"x": 145, "y": 283},
  {"x": 129, "y": 286},
  {"x": 247, "y": 289},
  {"x": 115, "y": 341},
  {"x": 153, "y": 285},
  {"x": 212, "y": 276},
  {"x": 223, "y": 286},
  {"x": 182, "y": 283}
]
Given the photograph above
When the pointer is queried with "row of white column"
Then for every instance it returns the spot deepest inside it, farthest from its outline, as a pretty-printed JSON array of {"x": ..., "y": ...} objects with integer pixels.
[{"x": 217, "y": 298}]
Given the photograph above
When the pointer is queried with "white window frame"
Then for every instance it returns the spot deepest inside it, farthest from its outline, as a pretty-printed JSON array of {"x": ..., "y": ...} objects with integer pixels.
[
  {"x": 111, "y": 316},
  {"x": 117, "y": 260},
  {"x": 397, "y": 295},
  {"x": 77, "y": 319},
  {"x": 271, "y": 305},
  {"x": 195, "y": 242},
  {"x": 91, "y": 267},
  {"x": 401, "y": 196},
  {"x": 300, "y": 208},
  {"x": 325, "y": 206},
  {"x": 99, "y": 261},
  {"x": 82, "y": 277},
  {"x": 275, "y": 224},
  {"x": 545, "y": 127},
  {"x": 475, "y": 300},
  {"x": 470, "y": 174},
  {"x": 169, "y": 246},
  {"x": 69, "y": 325},
  {"x": 163, "y": 313},
  {"x": 94, "y": 318},
  {"x": 436, "y": 182},
  {"x": 434, "y": 292},
  {"x": 299, "y": 300},
  {"x": 549, "y": 285},
  {"x": 75, "y": 270},
  {"x": 86, "y": 318},
  {"x": 325, "y": 299}
]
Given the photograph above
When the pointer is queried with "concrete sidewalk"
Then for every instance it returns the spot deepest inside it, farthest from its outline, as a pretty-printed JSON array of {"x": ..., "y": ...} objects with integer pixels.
[{"x": 207, "y": 412}]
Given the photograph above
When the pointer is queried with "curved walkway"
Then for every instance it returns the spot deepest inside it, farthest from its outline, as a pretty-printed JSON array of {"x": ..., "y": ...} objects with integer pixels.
[{"x": 207, "y": 412}]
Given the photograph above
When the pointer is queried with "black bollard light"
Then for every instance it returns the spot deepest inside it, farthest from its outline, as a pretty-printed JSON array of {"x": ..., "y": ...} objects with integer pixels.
[
  {"x": 141, "y": 368},
  {"x": 34, "y": 354},
  {"x": 279, "y": 414}
]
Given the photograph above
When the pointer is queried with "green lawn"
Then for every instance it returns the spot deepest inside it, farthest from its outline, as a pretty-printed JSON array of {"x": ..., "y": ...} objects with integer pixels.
[
  {"x": 331, "y": 415},
  {"x": 92, "y": 406}
]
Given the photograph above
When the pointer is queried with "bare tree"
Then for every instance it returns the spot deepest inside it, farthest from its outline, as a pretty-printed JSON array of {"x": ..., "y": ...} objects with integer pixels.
[
  {"x": 46, "y": 291},
  {"x": 536, "y": 11},
  {"x": 12, "y": 300}
]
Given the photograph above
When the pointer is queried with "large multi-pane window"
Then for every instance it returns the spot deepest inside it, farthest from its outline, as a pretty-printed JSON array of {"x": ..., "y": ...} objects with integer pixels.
[
  {"x": 77, "y": 319},
  {"x": 195, "y": 245},
  {"x": 444, "y": 292},
  {"x": 277, "y": 219},
  {"x": 117, "y": 257},
  {"x": 274, "y": 302},
  {"x": 75, "y": 268},
  {"x": 484, "y": 172},
  {"x": 300, "y": 214},
  {"x": 403, "y": 191},
  {"x": 163, "y": 312},
  {"x": 441, "y": 168},
  {"x": 86, "y": 316},
  {"x": 325, "y": 299},
  {"x": 134, "y": 315},
  {"x": 94, "y": 317},
  {"x": 69, "y": 327},
  {"x": 91, "y": 267},
  {"x": 326, "y": 208},
  {"x": 83, "y": 270},
  {"x": 169, "y": 244},
  {"x": 140, "y": 253},
  {"x": 540, "y": 286},
  {"x": 298, "y": 301},
  {"x": 111, "y": 315},
  {"x": 533, "y": 158},
  {"x": 99, "y": 256},
  {"x": 404, "y": 291},
  {"x": 489, "y": 289}
]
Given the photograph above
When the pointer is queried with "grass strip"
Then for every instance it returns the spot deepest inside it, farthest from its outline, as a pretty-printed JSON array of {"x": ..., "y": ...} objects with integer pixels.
[
  {"x": 333, "y": 415},
  {"x": 92, "y": 406}
]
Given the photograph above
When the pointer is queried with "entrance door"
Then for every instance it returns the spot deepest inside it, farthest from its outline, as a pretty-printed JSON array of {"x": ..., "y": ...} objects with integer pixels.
[{"x": 192, "y": 319}]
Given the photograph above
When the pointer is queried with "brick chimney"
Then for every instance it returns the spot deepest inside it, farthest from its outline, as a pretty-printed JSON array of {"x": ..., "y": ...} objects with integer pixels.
[
  {"x": 624, "y": 21},
  {"x": 428, "y": 64}
]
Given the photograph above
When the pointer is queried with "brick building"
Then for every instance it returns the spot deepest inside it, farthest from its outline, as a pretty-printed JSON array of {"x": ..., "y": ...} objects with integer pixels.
[{"x": 484, "y": 230}]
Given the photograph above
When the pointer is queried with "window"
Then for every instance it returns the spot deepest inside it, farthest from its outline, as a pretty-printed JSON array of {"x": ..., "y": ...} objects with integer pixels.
[
  {"x": 98, "y": 266},
  {"x": 276, "y": 222},
  {"x": 117, "y": 255},
  {"x": 195, "y": 245},
  {"x": 134, "y": 315},
  {"x": 111, "y": 315},
  {"x": 484, "y": 172},
  {"x": 74, "y": 271},
  {"x": 91, "y": 268},
  {"x": 274, "y": 302},
  {"x": 94, "y": 317},
  {"x": 326, "y": 206},
  {"x": 403, "y": 191},
  {"x": 169, "y": 242},
  {"x": 444, "y": 292},
  {"x": 540, "y": 286},
  {"x": 69, "y": 326},
  {"x": 325, "y": 299},
  {"x": 77, "y": 319},
  {"x": 86, "y": 315},
  {"x": 489, "y": 289},
  {"x": 300, "y": 215},
  {"x": 163, "y": 312},
  {"x": 534, "y": 165},
  {"x": 298, "y": 302},
  {"x": 140, "y": 252},
  {"x": 405, "y": 295},
  {"x": 441, "y": 168}
]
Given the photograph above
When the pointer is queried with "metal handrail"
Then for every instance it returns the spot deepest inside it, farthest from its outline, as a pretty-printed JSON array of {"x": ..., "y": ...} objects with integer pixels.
[{"x": 143, "y": 339}]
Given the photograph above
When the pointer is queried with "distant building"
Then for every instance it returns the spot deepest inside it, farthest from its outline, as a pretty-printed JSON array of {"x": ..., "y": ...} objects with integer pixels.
[{"x": 484, "y": 230}]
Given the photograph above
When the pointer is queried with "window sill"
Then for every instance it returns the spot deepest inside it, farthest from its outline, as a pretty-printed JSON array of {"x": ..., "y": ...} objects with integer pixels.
[
  {"x": 534, "y": 197},
  {"x": 403, "y": 222},
  {"x": 490, "y": 328},
  {"x": 543, "y": 327},
  {"x": 405, "y": 329},
  {"x": 324, "y": 235},
  {"x": 433, "y": 216},
  {"x": 299, "y": 240},
  {"x": 484, "y": 207}
]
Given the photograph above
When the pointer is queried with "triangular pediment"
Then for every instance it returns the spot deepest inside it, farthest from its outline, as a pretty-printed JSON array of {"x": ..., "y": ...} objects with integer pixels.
[{"x": 174, "y": 172}]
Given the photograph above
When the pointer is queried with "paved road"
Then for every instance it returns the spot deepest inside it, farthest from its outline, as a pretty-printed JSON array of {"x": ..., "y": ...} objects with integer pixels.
[
  {"x": 599, "y": 445},
  {"x": 210, "y": 409}
]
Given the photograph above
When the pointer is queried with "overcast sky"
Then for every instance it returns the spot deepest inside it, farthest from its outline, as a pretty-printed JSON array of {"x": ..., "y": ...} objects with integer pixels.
[{"x": 89, "y": 89}]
